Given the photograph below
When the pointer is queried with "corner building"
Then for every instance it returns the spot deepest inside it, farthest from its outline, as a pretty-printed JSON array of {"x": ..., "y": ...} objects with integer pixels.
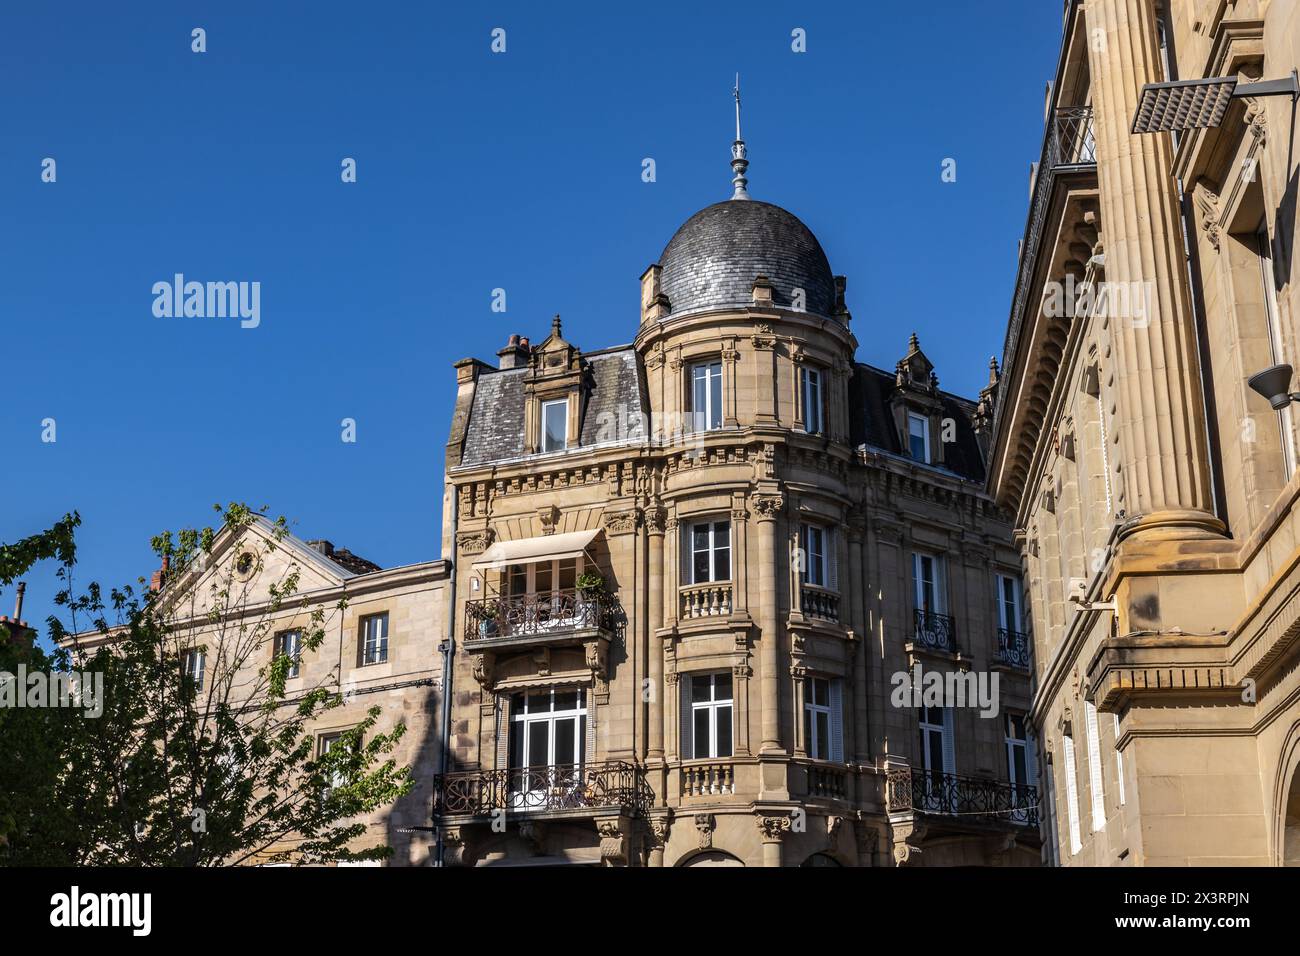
[{"x": 689, "y": 569}]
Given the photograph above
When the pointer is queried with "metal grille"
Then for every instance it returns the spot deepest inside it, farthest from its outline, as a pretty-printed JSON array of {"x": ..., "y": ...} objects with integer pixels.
[
  {"x": 530, "y": 614},
  {"x": 948, "y": 794},
  {"x": 935, "y": 631},
  {"x": 1013, "y": 648}
]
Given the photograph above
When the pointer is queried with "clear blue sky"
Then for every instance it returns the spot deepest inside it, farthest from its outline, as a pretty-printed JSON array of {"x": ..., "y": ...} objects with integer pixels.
[{"x": 475, "y": 171}]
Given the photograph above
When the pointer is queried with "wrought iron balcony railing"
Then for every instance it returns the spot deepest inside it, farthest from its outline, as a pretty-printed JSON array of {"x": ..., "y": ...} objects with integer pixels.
[
  {"x": 935, "y": 631},
  {"x": 530, "y": 615},
  {"x": 919, "y": 790},
  {"x": 1013, "y": 648},
  {"x": 535, "y": 789}
]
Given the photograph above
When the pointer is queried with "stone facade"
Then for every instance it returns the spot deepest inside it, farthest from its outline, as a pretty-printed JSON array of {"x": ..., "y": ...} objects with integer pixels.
[
  {"x": 1155, "y": 494},
  {"x": 744, "y": 501}
]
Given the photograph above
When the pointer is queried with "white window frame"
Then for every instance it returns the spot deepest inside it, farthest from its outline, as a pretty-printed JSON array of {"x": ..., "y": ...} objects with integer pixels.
[
  {"x": 1071, "y": 793},
  {"x": 374, "y": 647},
  {"x": 551, "y": 717},
  {"x": 289, "y": 643},
  {"x": 912, "y": 419},
  {"x": 325, "y": 745},
  {"x": 946, "y": 762},
  {"x": 547, "y": 407},
  {"x": 193, "y": 663},
  {"x": 939, "y": 605},
  {"x": 832, "y": 748},
  {"x": 713, "y": 549},
  {"x": 1015, "y": 621},
  {"x": 531, "y": 575},
  {"x": 713, "y": 706},
  {"x": 708, "y": 373},
  {"x": 816, "y": 563},
  {"x": 1096, "y": 785},
  {"x": 814, "y": 400}
]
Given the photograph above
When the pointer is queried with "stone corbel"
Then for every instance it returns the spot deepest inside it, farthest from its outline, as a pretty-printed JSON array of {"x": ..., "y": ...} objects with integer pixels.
[
  {"x": 453, "y": 846},
  {"x": 484, "y": 666},
  {"x": 621, "y": 522},
  {"x": 548, "y": 517},
  {"x": 474, "y": 542},
  {"x": 614, "y": 841},
  {"x": 772, "y": 827},
  {"x": 534, "y": 834},
  {"x": 705, "y": 824}
]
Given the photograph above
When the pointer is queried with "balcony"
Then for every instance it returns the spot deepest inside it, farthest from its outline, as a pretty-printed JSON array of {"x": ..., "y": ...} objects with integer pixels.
[
  {"x": 706, "y": 600},
  {"x": 1013, "y": 648},
  {"x": 819, "y": 603},
  {"x": 935, "y": 632},
  {"x": 539, "y": 618},
  {"x": 827, "y": 783},
  {"x": 562, "y": 790},
  {"x": 916, "y": 790},
  {"x": 715, "y": 778}
]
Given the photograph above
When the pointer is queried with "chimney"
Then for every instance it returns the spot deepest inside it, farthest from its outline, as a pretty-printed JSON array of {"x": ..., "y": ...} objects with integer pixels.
[
  {"x": 18, "y": 602},
  {"x": 324, "y": 547},
  {"x": 515, "y": 354}
]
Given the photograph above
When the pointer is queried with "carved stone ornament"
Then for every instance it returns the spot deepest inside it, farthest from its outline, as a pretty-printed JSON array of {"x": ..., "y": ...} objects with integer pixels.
[
  {"x": 474, "y": 542},
  {"x": 621, "y": 522},
  {"x": 772, "y": 828},
  {"x": 1207, "y": 204},
  {"x": 705, "y": 823},
  {"x": 548, "y": 517},
  {"x": 768, "y": 507}
]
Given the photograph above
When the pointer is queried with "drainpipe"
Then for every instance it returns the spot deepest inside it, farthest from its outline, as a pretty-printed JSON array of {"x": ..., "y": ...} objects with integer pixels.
[{"x": 448, "y": 656}]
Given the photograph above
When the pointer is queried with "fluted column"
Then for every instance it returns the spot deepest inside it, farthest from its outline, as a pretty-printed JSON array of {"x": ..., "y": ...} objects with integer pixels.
[
  {"x": 768, "y": 508},
  {"x": 1166, "y": 470}
]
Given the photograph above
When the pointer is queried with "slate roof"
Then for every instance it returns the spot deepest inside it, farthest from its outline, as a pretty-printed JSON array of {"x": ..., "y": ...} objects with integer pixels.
[
  {"x": 872, "y": 424},
  {"x": 712, "y": 260},
  {"x": 496, "y": 422}
]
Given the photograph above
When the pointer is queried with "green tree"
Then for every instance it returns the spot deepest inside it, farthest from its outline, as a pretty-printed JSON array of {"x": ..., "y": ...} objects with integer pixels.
[{"x": 219, "y": 771}]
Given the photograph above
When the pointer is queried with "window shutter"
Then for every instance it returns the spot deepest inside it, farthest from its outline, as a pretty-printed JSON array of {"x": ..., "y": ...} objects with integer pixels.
[
  {"x": 687, "y": 542},
  {"x": 1071, "y": 795},
  {"x": 949, "y": 761},
  {"x": 1119, "y": 762},
  {"x": 832, "y": 559},
  {"x": 503, "y": 731},
  {"x": 686, "y": 728},
  {"x": 837, "y": 720},
  {"x": 590, "y": 756},
  {"x": 1094, "y": 768}
]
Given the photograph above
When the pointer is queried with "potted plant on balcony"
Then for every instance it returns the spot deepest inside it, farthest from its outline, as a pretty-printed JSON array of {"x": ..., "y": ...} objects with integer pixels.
[
  {"x": 484, "y": 615},
  {"x": 591, "y": 592}
]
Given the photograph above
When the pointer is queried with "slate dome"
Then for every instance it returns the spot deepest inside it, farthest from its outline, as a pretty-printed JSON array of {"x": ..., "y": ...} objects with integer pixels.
[{"x": 712, "y": 260}]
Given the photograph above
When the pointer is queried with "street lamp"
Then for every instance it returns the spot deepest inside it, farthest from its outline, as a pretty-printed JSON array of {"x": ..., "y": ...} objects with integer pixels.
[
  {"x": 1274, "y": 383},
  {"x": 1200, "y": 104}
]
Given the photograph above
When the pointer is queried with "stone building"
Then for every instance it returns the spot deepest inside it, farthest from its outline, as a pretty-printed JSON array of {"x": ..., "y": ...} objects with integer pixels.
[
  {"x": 1154, "y": 493},
  {"x": 692, "y": 571}
]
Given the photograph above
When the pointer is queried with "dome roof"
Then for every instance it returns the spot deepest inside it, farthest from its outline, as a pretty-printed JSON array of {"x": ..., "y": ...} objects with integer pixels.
[{"x": 713, "y": 259}]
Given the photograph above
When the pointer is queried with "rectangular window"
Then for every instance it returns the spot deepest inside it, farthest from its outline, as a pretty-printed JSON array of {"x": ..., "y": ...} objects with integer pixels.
[
  {"x": 548, "y": 728},
  {"x": 710, "y": 552},
  {"x": 1009, "y": 613},
  {"x": 936, "y": 741},
  {"x": 1071, "y": 794},
  {"x": 706, "y": 396},
  {"x": 555, "y": 425},
  {"x": 707, "y": 712},
  {"x": 327, "y": 743},
  {"x": 814, "y": 417},
  {"x": 815, "y": 555},
  {"x": 289, "y": 643},
  {"x": 374, "y": 639},
  {"x": 1017, "y": 751},
  {"x": 927, "y": 583},
  {"x": 823, "y": 718},
  {"x": 918, "y": 436},
  {"x": 1094, "y": 767},
  {"x": 192, "y": 664}
]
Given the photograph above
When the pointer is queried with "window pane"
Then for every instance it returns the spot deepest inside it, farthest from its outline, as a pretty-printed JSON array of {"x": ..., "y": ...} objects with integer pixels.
[
  {"x": 539, "y": 733},
  {"x": 722, "y": 686},
  {"x": 566, "y": 700},
  {"x": 566, "y": 740},
  {"x": 724, "y": 731},
  {"x": 702, "y": 732},
  {"x": 701, "y": 688},
  {"x": 701, "y": 569},
  {"x": 823, "y": 736},
  {"x": 715, "y": 396},
  {"x": 555, "y": 425},
  {"x": 516, "y": 753},
  {"x": 568, "y": 574},
  {"x": 821, "y": 692},
  {"x": 539, "y": 703},
  {"x": 542, "y": 577}
]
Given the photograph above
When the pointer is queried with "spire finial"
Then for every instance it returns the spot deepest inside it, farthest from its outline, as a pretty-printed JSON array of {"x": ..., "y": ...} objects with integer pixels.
[
  {"x": 555, "y": 325},
  {"x": 738, "y": 161}
]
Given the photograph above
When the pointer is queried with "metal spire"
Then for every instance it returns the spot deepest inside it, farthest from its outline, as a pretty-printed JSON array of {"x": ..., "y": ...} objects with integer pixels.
[{"x": 738, "y": 161}]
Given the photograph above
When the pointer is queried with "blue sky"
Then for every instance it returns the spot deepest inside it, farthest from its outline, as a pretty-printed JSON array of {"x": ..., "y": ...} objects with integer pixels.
[{"x": 475, "y": 171}]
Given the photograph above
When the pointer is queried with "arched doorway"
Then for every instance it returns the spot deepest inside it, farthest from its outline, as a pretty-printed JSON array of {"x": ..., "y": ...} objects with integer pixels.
[
  {"x": 713, "y": 858},
  {"x": 1291, "y": 823}
]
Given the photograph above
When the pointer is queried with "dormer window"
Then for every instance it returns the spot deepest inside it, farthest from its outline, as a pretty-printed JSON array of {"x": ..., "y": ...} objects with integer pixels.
[
  {"x": 918, "y": 437},
  {"x": 814, "y": 410},
  {"x": 555, "y": 425},
  {"x": 706, "y": 396}
]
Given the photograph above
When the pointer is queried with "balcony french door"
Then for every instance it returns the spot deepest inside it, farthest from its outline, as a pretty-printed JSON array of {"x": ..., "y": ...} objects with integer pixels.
[
  {"x": 548, "y": 592},
  {"x": 548, "y": 733}
]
